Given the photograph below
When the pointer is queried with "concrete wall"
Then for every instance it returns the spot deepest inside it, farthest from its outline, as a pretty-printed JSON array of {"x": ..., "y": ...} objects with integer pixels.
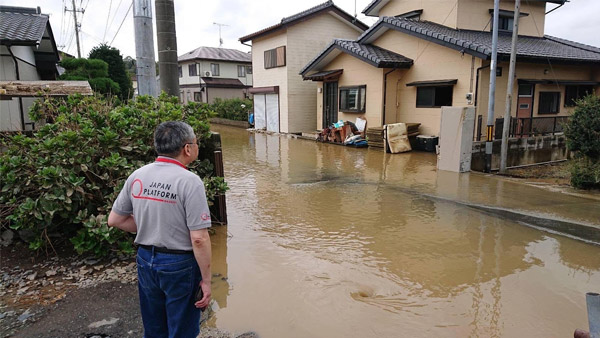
[
  {"x": 227, "y": 70},
  {"x": 305, "y": 41},
  {"x": 439, "y": 11},
  {"x": 427, "y": 66},
  {"x": 522, "y": 151},
  {"x": 274, "y": 76},
  {"x": 357, "y": 73},
  {"x": 475, "y": 15},
  {"x": 10, "y": 115}
]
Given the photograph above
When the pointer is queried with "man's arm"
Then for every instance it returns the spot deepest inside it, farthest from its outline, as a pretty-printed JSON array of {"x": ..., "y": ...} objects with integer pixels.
[
  {"x": 126, "y": 223},
  {"x": 203, "y": 254}
]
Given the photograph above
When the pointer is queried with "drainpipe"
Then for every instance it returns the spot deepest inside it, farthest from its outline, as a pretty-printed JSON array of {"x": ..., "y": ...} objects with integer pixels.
[
  {"x": 18, "y": 79},
  {"x": 385, "y": 93},
  {"x": 477, "y": 82}
]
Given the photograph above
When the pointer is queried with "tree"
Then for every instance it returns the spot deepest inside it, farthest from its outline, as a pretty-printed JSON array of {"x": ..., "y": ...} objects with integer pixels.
[
  {"x": 116, "y": 68},
  {"x": 94, "y": 71},
  {"x": 583, "y": 138}
]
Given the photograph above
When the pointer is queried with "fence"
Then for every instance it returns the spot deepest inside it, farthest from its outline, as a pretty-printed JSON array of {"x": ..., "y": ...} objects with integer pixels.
[{"x": 531, "y": 126}]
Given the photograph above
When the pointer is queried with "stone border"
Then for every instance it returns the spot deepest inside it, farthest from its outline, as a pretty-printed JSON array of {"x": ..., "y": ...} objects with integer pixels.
[{"x": 227, "y": 122}]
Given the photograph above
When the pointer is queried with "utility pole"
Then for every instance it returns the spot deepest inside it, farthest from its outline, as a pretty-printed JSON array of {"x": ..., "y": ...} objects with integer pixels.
[
  {"x": 220, "y": 25},
  {"x": 144, "y": 48},
  {"x": 166, "y": 38},
  {"x": 77, "y": 26},
  {"x": 509, "y": 89},
  {"x": 492, "y": 100}
]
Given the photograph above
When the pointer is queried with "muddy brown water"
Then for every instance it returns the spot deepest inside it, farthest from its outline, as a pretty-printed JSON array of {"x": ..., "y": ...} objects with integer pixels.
[{"x": 329, "y": 241}]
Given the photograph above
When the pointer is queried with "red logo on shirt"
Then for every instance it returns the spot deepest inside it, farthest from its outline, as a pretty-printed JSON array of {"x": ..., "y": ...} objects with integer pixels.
[
  {"x": 138, "y": 183},
  {"x": 205, "y": 216}
]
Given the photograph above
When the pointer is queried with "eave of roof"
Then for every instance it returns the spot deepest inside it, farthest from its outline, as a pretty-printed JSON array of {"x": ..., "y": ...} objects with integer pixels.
[
  {"x": 305, "y": 15},
  {"x": 373, "y": 55},
  {"x": 218, "y": 54},
  {"x": 477, "y": 43}
]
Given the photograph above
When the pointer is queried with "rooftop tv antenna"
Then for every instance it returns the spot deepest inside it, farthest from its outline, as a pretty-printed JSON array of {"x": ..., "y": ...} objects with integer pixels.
[{"x": 220, "y": 25}]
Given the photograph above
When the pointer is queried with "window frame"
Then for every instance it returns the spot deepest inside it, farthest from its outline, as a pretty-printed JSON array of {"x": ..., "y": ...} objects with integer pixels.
[
  {"x": 570, "y": 101},
  {"x": 192, "y": 70},
  {"x": 241, "y": 68},
  {"x": 180, "y": 69},
  {"x": 197, "y": 96},
  {"x": 213, "y": 67},
  {"x": 361, "y": 99},
  {"x": 557, "y": 94},
  {"x": 248, "y": 69},
  {"x": 275, "y": 59},
  {"x": 433, "y": 100}
]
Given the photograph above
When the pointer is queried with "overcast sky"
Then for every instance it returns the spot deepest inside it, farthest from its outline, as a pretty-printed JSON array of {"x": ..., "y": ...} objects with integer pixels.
[{"x": 576, "y": 21}]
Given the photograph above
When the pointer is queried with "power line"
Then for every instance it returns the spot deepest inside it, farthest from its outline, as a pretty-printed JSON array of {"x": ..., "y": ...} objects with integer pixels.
[
  {"x": 107, "y": 17},
  {"x": 121, "y": 25},
  {"x": 116, "y": 11}
]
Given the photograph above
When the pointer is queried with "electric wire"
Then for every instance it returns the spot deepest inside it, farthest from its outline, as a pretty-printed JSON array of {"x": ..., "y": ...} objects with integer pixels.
[
  {"x": 116, "y": 11},
  {"x": 121, "y": 25},
  {"x": 107, "y": 19}
]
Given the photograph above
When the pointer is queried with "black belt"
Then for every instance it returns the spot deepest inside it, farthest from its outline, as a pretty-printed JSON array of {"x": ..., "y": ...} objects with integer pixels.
[{"x": 165, "y": 250}]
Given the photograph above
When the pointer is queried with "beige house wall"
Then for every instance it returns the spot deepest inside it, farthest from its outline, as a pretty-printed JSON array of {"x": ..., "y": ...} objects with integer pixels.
[
  {"x": 428, "y": 65},
  {"x": 530, "y": 71},
  {"x": 475, "y": 15},
  {"x": 305, "y": 41},
  {"x": 357, "y": 73},
  {"x": 439, "y": 11},
  {"x": 274, "y": 76}
]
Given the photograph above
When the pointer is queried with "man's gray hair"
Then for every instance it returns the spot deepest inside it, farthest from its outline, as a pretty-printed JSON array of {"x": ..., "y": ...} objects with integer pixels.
[{"x": 170, "y": 137}]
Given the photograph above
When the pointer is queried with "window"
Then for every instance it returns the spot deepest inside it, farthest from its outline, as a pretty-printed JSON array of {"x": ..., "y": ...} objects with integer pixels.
[
  {"x": 525, "y": 90},
  {"x": 193, "y": 71},
  {"x": 505, "y": 23},
  {"x": 214, "y": 69},
  {"x": 275, "y": 57},
  {"x": 549, "y": 103},
  {"x": 197, "y": 96},
  {"x": 241, "y": 71},
  {"x": 180, "y": 72},
  {"x": 574, "y": 93},
  {"x": 353, "y": 99},
  {"x": 434, "y": 96},
  {"x": 249, "y": 69}
]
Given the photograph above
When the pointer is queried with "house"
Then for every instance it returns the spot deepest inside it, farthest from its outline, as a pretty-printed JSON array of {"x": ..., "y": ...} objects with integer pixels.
[
  {"x": 421, "y": 55},
  {"x": 207, "y": 73},
  {"x": 282, "y": 101},
  {"x": 27, "y": 52}
]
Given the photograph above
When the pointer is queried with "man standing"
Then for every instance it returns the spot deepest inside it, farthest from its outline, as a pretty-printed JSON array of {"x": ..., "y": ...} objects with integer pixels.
[{"x": 166, "y": 205}]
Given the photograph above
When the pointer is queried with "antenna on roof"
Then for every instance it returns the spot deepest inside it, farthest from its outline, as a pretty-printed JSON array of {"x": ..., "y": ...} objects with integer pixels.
[{"x": 220, "y": 25}]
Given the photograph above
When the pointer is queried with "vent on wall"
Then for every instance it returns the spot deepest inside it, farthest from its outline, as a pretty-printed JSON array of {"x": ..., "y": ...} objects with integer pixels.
[{"x": 208, "y": 74}]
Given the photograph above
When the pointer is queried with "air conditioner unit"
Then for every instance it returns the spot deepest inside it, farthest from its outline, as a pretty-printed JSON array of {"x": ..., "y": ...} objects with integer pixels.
[{"x": 208, "y": 74}]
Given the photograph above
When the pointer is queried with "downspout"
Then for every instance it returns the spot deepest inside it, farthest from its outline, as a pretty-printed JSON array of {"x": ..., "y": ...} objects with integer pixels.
[
  {"x": 18, "y": 79},
  {"x": 385, "y": 94},
  {"x": 477, "y": 83}
]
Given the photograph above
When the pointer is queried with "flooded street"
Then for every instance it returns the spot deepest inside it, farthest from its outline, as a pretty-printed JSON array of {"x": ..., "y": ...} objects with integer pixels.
[{"x": 330, "y": 241}]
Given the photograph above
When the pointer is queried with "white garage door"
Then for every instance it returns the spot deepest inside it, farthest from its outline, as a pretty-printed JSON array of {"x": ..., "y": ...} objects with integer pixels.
[
  {"x": 272, "y": 104},
  {"x": 260, "y": 117}
]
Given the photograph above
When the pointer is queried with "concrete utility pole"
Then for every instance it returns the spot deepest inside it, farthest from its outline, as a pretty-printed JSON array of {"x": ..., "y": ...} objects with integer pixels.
[
  {"x": 509, "y": 89},
  {"x": 492, "y": 100},
  {"x": 144, "y": 48},
  {"x": 75, "y": 10},
  {"x": 166, "y": 38},
  {"x": 220, "y": 25}
]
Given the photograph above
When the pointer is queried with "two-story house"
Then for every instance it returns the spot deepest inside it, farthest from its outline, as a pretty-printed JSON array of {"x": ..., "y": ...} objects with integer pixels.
[
  {"x": 282, "y": 101},
  {"x": 27, "y": 52},
  {"x": 422, "y": 55},
  {"x": 207, "y": 73}
]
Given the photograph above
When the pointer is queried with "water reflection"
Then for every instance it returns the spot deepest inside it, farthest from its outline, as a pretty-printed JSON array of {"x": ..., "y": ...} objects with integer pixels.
[{"x": 352, "y": 242}]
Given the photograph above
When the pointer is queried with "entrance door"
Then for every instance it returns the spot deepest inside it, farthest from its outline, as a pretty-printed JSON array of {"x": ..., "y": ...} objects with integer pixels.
[
  {"x": 272, "y": 109},
  {"x": 524, "y": 109},
  {"x": 330, "y": 105},
  {"x": 260, "y": 113}
]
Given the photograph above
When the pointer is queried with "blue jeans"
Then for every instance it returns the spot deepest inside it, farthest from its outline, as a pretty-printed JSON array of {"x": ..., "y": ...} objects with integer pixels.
[{"x": 167, "y": 285}]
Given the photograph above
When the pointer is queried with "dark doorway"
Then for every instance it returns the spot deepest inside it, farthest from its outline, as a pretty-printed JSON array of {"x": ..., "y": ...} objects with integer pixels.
[{"x": 330, "y": 104}]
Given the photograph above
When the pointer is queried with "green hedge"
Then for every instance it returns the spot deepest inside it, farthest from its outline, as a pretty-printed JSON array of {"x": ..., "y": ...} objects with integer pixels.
[
  {"x": 232, "y": 109},
  {"x": 64, "y": 179}
]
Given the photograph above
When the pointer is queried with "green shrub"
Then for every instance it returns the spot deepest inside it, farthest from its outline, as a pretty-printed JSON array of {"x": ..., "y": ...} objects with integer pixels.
[
  {"x": 232, "y": 109},
  {"x": 583, "y": 138},
  {"x": 64, "y": 179}
]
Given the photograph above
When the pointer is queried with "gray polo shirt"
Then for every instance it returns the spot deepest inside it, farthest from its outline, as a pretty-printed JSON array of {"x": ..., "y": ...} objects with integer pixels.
[{"x": 167, "y": 201}]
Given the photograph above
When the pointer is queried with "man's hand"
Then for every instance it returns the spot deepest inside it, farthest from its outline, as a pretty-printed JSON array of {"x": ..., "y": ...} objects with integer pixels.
[{"x": 203, "y": 303}]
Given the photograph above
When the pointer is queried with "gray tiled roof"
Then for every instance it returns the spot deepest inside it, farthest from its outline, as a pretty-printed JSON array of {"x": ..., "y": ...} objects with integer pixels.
[
  {"x": 328, "y": 5},
  {"x": 19, "y": 27},
  {"x": 480, "y": 43},
  {"x": 214, "y": 53},
  {"x": 374, "y": 4},
  {"x": 376, "y": 56}
]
